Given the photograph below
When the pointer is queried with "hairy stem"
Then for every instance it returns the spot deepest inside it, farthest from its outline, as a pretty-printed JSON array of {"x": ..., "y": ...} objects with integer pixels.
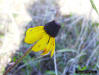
[{"x": 18, "y": 61}]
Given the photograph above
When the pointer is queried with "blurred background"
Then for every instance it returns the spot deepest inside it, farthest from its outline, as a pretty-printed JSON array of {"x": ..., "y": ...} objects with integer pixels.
[{"x": 77, "y": 45}]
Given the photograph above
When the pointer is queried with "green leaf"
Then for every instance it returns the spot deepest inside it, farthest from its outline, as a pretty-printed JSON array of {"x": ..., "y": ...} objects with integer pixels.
[
  {"x": 94, "y": 7},
  {"x": 14, "y": 59},
  {"x": 49, "y": 73},
  {"x": 97, "y": 43},
  {"x": 82, "y": 69}
]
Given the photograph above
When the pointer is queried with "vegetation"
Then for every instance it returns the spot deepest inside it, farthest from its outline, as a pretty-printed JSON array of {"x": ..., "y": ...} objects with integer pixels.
[{"x": 77, "y": 45}]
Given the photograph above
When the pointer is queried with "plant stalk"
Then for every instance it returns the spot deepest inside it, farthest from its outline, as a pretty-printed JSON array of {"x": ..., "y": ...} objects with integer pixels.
[{"x": 18, "y": 61}]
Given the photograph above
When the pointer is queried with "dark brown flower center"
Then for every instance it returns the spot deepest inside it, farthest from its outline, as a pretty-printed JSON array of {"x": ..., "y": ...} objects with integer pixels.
[{"x": 52, "y": 28}]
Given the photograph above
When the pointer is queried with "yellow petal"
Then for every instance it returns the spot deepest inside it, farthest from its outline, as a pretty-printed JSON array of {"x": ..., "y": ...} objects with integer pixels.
[
  {"x": 45, "y": 51},
  {"x": 41, "y": 44},
  {"x": 53, "y": 48},
  {"x": 34, "y": 34},
  {"x": 48, "y": 47}
]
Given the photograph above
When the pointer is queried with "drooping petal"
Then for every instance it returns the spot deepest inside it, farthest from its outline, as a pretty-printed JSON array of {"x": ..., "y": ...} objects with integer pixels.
[
  {"x": 45, "y": 51},
  {"x": 34, "y": 34},
  {"x": 41, "y": 44},
  {"x": 53, "y": 48},
  {"x": 48, "y": 47}
]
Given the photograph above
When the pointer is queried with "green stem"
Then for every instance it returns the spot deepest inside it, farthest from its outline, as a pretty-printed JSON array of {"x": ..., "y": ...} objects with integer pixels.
[{"x": 18, "y": 61}]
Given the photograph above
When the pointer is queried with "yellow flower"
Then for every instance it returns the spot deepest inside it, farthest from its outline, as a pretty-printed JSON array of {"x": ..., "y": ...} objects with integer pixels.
[{"x": 44, "y": 36}]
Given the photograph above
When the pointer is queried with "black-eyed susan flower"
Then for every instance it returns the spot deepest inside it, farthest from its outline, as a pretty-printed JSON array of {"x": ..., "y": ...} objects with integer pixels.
[{"x": 44, "y": 36}]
